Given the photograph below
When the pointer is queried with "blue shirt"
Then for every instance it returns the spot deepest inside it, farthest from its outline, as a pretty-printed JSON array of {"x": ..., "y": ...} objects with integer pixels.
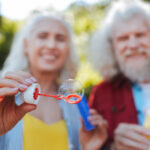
[
  {"x": 12, "y": 140},
  {"x": 139, "y": 102}
]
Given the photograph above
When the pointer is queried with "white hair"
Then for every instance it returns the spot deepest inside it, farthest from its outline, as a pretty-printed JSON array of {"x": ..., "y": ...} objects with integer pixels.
[
  {"x": 101, "y": 49},
  {"x": 17, "y": 60}
]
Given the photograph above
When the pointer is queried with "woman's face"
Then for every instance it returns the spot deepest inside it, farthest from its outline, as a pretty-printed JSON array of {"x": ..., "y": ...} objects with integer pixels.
[{"x": 47, "y": 47}]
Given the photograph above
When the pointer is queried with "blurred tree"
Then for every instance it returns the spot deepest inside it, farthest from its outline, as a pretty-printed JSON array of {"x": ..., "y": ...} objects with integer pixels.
[
  {"x": 147, "y": 0},
  {"x": 7, "y": 31},
  {"x": 85, "y": 19}
]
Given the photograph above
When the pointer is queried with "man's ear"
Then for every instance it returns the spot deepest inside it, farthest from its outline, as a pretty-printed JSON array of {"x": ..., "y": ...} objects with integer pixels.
[{"x": 25, "y": 45}]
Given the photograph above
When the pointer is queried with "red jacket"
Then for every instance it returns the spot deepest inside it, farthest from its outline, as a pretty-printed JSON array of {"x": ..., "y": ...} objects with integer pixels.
[{"x": 114, "y": 101}]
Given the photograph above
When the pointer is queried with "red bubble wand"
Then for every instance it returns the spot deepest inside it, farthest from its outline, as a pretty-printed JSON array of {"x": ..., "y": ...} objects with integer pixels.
[{"x": 59, "y": 97}]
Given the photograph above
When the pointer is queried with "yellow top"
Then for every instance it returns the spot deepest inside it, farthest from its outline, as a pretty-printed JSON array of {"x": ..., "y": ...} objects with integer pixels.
[
  {"x": 147, "y": 123},
  {"x": 40, "y": 136}
]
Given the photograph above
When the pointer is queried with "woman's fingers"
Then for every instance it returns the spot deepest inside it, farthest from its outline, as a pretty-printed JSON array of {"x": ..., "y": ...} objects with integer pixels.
[
  {"x": 8, "y": 91},
  {"x": 20, "y": 73},
  {"x": 82, "y": 125},
  {"x": 93, "y": 111},
  {"x": 19, "y": 79},
  {"x": 12, "y": 84},
  {"x": 23, "y": 109},
  {"x": 96, "y": 119},
  {"x": 22, "y": 78},
  {"x": 9, "y": 83}
]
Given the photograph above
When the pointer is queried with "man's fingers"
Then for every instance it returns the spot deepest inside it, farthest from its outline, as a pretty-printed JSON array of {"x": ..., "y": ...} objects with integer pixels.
[
  {"x": 130, "y": 143},
  {"x": 132, "y": 136},
  {"x": 119, "y": 146},
  {"x": 140, "y": 130},
  {"x": 135, "y": 132},
  {"x": 135, "y": 137},
  {"x": 133, "y": 127}
]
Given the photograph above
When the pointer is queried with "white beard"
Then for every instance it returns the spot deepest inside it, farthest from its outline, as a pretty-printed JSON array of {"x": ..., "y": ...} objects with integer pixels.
[{"x": 138, "y": 73}]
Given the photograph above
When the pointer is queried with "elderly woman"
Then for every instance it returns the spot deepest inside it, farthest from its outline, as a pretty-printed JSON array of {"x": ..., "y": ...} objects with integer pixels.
[
  {"x": 121, "y": 52},
  {"x": 45, "y": 50}
]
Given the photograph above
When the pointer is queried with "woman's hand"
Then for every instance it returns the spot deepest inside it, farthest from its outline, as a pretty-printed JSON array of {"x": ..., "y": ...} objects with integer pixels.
[
  {"x": 10, "y": 85},
  {"x": 94, "y": 139}
]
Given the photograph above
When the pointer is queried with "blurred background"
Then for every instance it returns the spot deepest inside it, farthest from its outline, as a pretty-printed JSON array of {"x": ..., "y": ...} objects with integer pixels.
[{"x": 84, "y": 15}]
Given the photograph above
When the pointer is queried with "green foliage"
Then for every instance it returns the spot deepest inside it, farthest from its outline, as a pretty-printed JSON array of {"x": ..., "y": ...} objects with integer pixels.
[
  {"x": 7, "y": 31},
  {"x": 88, "y": 77},
  {"x": 85, "y": 19},
  {"x": 147, "y": 0}
]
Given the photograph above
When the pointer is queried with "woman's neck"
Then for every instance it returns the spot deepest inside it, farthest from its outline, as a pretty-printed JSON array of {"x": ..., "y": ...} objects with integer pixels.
[{"x": 47, "y": 81}]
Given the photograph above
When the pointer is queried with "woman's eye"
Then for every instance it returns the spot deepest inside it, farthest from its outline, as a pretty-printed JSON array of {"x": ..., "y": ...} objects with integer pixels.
[
  {"x": 42, "y": 36},
  {"x": 60, "y": 38},
  {"x": 123, "y": 38},
  {"x": 140, "y": 35}
]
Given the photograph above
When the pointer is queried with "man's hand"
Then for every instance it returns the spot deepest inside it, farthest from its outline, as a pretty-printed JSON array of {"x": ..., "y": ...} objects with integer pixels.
[
  {"x": 10, "y": 113},
  {"x": 131, "y": 137},
  {"x": 94, "y": 139}
]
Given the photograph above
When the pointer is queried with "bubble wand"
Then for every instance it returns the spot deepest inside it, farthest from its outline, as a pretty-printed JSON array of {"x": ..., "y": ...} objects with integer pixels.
[{"x": 59, "y": 97}]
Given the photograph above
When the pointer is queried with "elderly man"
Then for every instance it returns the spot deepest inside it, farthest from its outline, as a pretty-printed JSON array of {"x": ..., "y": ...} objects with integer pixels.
[{"x": 121, "y": 52}]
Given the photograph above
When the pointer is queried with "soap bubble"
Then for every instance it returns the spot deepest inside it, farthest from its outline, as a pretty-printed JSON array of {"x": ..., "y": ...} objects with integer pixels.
[{"x": 71, "y": 87}]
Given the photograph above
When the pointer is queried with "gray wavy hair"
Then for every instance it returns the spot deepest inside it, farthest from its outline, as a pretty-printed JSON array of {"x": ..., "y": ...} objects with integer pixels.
[
  {"x": 17, "y": 60},
  {"x": 101, "y": 48}
]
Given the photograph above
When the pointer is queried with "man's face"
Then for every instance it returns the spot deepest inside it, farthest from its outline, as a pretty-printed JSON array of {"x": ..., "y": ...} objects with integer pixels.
[{"x": 131, "y": 44}]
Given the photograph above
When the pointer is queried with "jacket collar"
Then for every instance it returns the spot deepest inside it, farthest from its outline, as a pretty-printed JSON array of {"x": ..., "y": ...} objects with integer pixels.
[{"x": 120, "y": 80}]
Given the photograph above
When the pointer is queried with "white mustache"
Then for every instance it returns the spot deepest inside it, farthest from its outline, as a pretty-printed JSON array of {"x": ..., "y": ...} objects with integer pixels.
[{"x": 130, "y": 52}]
